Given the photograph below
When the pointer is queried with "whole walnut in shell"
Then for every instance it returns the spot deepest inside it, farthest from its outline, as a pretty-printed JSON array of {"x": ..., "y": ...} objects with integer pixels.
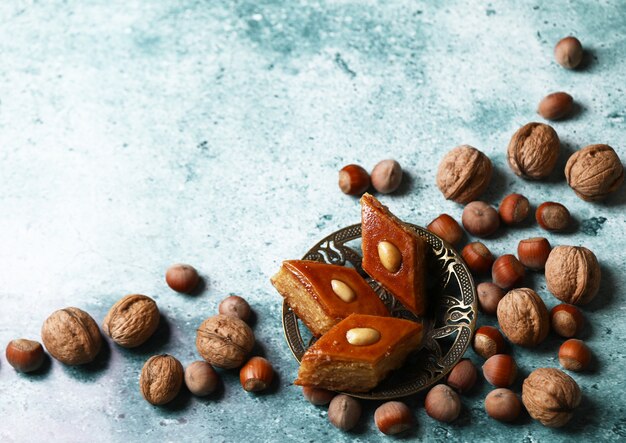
[
  {"x": 161, "y": 378},
  {"x": 523, "y": 317},
  {"x": 533, "y": 151},
  {"x": 594, "y": 172},
  {"x": 132, "y": 320},
  {"x": 573, "y": 274},
  {"x": 464, "y": 173},
  {"x": 550, "y": 396},
  {"x": 224, "y": 341},
  {"x": 71, "y": 336}
]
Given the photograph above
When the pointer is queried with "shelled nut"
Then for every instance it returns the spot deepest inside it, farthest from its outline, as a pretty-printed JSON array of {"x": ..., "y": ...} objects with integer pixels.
[
  {"x": 442, "y": 403},
  {"x": 235, "y": 306},
  {"x": 201, "y": 379},
  {"x": 480, "y": 219},
  {"x": 318, "y": 396},
  {"x": 386, "y": 176},
  {"x": 389, "y": 256},
  {"x": 568, "y": 52},
  {"x": 503, "y": 405},
  {"x": 463, "y": 376},
  {"x": 343, "y": 290},
  {"x": 555, "y": 106},
  {"x": 489, "y": 296},
  {"x": 362, "y": 336},
  {"x": 344, "y": 412},
  {"x": 182, "y": 278}
]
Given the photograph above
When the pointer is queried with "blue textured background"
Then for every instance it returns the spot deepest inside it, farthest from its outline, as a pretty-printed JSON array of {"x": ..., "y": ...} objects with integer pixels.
[{"x": 138, "y": 134}]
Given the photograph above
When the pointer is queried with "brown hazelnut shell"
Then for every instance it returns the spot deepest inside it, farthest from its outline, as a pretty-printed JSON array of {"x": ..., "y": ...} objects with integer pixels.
[
  {"x": 523, "y": 317},
  {"x": 594, "y": 172},
  {"x": 550, "y": 396},
  {"x": 533, "y": 151},
  {"x": 464, "y": 173},
  {"x": 573, "y": 274},
  {"x": 71, "y": 336},
  {"x": 132, "y": 320}
]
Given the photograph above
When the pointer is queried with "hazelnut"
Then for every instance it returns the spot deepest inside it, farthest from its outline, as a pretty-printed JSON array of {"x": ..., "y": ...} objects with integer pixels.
[
  {"x": 201, "y": 379},
  {"x": 555, "y": 106},
  {"x": 507, "y": 271},
  {"x": 256, "y": 375},
  {"x": 533, "y": 252},
  {"x": 552, "y": 216},
  {"x": 317, "y": 396},
  {"x": 235, "y": 306},
  {"x": 523, "y": 317},
  {"x": 574, "y": 355},
  {"x": 344, "y": 412},
  {"x": 500, "y": 370},
  {"x": 25, "y": 355},
  {"x": 447, "y": 228},
  {"x": 573, "y": 274},
  {"x": 182, "y": 278},
  {"x": 533, "y": 151},
  {"x": 224, "y": 341},
  {"x": 566, "y": 320},
  {"x": 503, "y": 405},
  {"x": 489, "y": 296},
  {"x": 393, "y": 418},
  {"x": 480, "y": 219},
  {"x": 463, "y": 376},
  {"x": 464, "y": 173},
  {"x": 442, "y": 403},
  {"x": 161, "y": 379},
  {"x": 568, "y": 52},
  {"x": 514, "y": 209},
  {"x": 594, "y": 172},
  {"x": 488, "y": 341},
  {"x": 550, "y": 396},
  {"x": 353, "y": 180},
  {"x": 71, "y": 336},
  {"x": 132, "y": 320},
  {"x": 386, "y": 176},
  {"x": 478, "y": 258}
]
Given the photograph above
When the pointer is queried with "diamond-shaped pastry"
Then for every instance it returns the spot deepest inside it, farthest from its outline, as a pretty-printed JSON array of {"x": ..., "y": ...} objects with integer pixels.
[
  {"x": 321, "y": 294},
  {"x": 393, "y": 254},
  {"x": 359, "y": 352}
]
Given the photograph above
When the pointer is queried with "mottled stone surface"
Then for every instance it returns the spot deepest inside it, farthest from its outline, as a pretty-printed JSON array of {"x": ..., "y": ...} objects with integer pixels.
[{"x": 138, "y": 134}]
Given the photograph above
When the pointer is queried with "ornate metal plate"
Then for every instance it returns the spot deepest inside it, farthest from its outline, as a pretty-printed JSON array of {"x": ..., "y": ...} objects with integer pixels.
[{"x": 448, "y": 325}]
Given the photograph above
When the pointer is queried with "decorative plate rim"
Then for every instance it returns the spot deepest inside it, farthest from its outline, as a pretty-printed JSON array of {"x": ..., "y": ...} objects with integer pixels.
[{"x": 294, "y": 340}]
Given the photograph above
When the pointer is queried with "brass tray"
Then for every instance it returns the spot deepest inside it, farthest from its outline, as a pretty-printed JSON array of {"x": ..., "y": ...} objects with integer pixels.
[{"x": 448, "y": 325}]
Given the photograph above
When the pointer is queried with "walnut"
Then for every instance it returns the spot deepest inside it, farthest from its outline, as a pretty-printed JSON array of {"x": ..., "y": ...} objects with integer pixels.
[
  {"x": 550, "y": 396},
  {"x": 464, "y": 173},
  {"x": 573, "y": 274},
  {"x": 594, "y": 172},
  {"x": 523, "y": 317},
  {"x": 71, "y": 336},
  {"x": 533, "y": 151},
  {"x": 132, "y": 320},
  {"x": 161, "y": 378},
  {"x": 224, "y": 341}
]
